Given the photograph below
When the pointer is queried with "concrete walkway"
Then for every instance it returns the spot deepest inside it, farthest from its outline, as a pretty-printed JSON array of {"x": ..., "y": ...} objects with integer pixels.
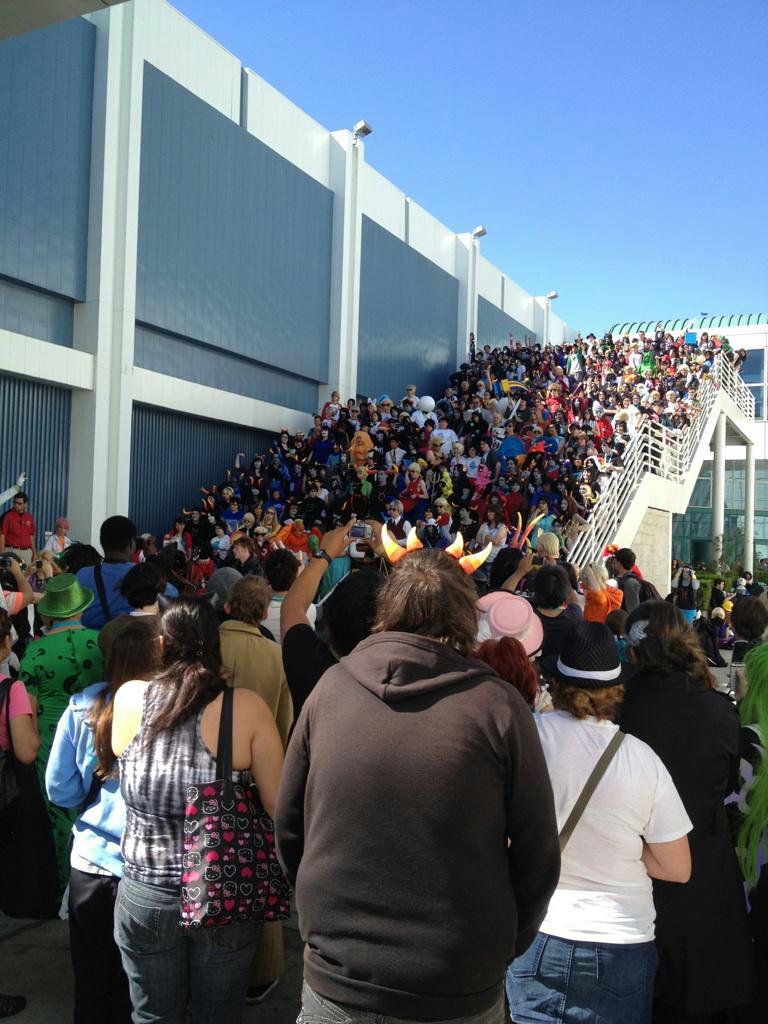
[{"x": 34, "y": 961}]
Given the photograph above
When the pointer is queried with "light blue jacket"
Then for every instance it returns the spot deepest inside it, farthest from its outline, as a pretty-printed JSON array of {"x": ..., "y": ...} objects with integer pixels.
[{"x": 99, "y": 829}]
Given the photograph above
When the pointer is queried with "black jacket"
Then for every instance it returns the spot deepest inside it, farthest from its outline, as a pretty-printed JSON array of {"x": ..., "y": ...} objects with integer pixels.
[
  {"x": 695, "y": 732},
  {"x": 408, "y": 769}
]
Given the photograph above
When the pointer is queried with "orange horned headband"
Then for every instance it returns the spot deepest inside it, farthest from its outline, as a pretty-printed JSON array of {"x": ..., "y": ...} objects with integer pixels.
[
  {"x": 469, "y": 563},
  {"x": 518, "y": 537}
]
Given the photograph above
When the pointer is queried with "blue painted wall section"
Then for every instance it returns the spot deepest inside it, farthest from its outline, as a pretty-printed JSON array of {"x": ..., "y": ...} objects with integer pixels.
[
  {"x": 190, "y": 360},
  {"x": 234, "y": 245},
  {"x": 191, "y": 453},
  {"x": 46, "y": 96},
  {"x": 494, "y": 326},
  {"x": 36, "y": 314},
  {"x": 408, "y": 318},
  {"x": 34, "y": 425}
]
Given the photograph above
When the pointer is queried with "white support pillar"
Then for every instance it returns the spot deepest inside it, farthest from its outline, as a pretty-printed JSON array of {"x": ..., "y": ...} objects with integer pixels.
[
  {"x": 718, "y": 489},
  {"x": 466, "y": 319},
  {"x": 749, "y": 509},
  {"x": 105, "y": 322},
  {"x": 346, "y": 156}
]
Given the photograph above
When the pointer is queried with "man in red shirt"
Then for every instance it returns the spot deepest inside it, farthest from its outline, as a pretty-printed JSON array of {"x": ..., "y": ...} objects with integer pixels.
[{"x": 17, "y": 531}]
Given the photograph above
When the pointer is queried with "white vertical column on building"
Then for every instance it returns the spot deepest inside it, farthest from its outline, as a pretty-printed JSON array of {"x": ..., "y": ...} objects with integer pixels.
[
  {"x": 105, "y": 322},
  {"x": 466, "y": 319},
  {"x": 718, "y": 488},
  {"x": 346, "y": 156},
  {"x": 749, "y": 509}
]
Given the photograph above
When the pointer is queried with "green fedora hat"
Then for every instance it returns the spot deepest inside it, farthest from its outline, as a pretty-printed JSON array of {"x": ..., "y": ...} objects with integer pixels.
[{"x": 65, "y": 597}]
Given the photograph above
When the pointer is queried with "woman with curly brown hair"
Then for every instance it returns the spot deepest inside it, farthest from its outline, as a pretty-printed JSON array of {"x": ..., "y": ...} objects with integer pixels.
[{"x": 672, "y": 704}]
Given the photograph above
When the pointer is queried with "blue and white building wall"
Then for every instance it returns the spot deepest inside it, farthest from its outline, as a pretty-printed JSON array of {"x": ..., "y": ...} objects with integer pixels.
[{"x": 192, "y": 261}]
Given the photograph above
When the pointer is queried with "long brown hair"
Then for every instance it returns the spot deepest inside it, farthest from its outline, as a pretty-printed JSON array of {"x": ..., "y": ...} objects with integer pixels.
[
  {"x": 191, "y": 668},
  {"x": 134, "y": 654},
  {"x": 428, "y": 593},
  {"x": 669, "y": 644}
]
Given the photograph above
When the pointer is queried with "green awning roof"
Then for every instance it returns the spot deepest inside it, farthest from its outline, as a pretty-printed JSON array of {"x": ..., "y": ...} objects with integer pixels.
[{"x": 694, "y": 323}]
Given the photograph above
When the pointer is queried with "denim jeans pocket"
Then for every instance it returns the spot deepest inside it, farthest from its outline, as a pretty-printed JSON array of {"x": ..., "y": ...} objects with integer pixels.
[
  {"x": 527, "y": 965},
  {"x": 621, "y": 970},
  {"x": 137, "y": 925},
  {"x": 316, "y": 1010},
  {"x": 234, "y": 937}
]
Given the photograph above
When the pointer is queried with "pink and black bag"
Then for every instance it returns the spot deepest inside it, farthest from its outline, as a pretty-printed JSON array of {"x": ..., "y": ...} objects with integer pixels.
[{"x": 230, "y": 869}]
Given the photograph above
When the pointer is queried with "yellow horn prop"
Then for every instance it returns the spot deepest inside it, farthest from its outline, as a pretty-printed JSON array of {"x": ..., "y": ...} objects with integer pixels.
[
  {"x": 392, "y": 549},
  {"x": 456, "y": 550},
  {"x": 413, "y": 543},
  {"x": 469, "y": 563}
]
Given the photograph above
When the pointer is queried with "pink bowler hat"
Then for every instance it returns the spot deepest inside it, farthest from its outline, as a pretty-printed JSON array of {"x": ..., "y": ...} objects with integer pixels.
[{"x": 505, "y": 614}]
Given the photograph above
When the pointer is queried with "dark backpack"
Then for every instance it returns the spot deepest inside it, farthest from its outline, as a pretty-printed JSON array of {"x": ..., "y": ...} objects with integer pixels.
[{"x": 648, "y": 592}]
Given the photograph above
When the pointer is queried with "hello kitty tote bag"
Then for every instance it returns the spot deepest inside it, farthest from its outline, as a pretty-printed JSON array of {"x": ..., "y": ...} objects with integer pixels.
[{"x": 230, "y": 869}]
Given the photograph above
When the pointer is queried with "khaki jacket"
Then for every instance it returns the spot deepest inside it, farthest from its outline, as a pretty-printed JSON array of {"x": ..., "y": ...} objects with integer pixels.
[{"x": 255, "y": 663}]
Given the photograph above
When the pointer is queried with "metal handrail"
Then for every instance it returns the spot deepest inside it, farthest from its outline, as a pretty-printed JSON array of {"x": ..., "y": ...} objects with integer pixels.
[{"x": 660, "y": 451}]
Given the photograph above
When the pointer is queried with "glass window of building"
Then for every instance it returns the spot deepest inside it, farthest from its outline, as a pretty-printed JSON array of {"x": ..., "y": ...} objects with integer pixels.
[
  {"x": 758, "y": 392},
  {"x": 753, "y": 369}
]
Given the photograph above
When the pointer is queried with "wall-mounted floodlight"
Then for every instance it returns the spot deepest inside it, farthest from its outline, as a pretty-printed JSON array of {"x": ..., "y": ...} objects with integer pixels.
[
  {"x": 552, "y": 295},
  {"x": 479, "y": 231},
  {"x": 361, "y": 130}
]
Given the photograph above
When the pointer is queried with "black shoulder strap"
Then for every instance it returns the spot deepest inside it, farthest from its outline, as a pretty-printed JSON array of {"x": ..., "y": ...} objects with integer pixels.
[
  {"x": 589, "y": 788},
  {"x": 224, "y": 742},
  {"x": 98, "y": 578}
]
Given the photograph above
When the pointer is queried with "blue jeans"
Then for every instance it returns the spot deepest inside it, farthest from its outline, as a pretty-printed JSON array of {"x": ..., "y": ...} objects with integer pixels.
[
  {"x": 173, "y": 971},
  {"x": 317, "y": 1009},
  {"x": 557, "y": 981}
]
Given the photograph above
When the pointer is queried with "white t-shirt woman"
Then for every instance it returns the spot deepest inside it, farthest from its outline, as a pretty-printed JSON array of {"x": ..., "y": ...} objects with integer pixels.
[
  {"x": 594, "y": 957},
  {"x": 605, "y": 892}
]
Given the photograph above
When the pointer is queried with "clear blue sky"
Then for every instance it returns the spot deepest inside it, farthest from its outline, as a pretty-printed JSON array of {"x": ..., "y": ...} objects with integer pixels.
[{"x": 616, "y": 152}]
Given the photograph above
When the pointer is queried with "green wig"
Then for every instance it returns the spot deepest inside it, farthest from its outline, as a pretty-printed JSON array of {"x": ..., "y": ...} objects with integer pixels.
[{"x": 754, "y": 712}]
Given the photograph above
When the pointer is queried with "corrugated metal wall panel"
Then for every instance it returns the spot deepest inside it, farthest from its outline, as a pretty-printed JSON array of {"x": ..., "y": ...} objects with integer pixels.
[
  {"x": 234, "y": 241},
  {"x": 174, "y": 455},
  {"x": 203, "y": 364},
  {"x": 37, "y": 314},
  {"x": 494, "y": 326},
  {"x": 46, "y": 99},
  {"x": 34, "y": 427},
  {"x": 408, "y": 316}
]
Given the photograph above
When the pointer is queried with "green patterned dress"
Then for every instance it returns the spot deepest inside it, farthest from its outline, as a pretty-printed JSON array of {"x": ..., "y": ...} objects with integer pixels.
[{"x": 53, "y": 668}]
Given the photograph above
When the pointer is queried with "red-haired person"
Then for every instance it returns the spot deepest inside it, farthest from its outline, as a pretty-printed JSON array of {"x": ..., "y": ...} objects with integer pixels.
[{"x": 509, "y": 661}]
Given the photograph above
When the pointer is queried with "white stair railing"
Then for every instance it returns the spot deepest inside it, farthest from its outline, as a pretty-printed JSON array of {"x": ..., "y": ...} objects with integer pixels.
[{"x": 655, "y": 449}]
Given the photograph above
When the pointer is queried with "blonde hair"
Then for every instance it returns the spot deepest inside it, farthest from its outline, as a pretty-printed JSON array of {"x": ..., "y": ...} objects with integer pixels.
[
  {"x": 598, "y": 573},
  {"x": 548, "y": 544}
]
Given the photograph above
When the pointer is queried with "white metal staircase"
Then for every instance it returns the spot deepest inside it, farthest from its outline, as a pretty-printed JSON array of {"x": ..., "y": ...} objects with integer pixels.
[{"x": 661, "y": 466}]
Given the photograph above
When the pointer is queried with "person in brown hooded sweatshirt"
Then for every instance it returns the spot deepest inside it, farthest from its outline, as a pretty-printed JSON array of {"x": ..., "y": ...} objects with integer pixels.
[{"x": 415, "y": 816}]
